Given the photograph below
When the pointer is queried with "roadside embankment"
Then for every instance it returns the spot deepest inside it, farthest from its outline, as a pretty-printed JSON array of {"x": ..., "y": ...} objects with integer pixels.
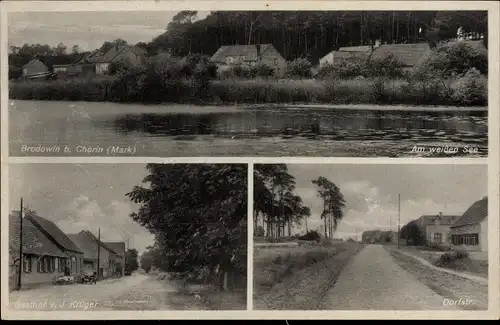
[{"x": 296, "y": 278}]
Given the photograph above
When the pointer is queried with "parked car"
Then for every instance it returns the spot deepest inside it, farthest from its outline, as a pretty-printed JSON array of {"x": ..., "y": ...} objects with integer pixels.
[{"x": 128, "y": 273}]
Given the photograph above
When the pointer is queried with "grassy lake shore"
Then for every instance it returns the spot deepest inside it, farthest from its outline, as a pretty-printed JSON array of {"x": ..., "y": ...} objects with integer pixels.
[{"x": 364, "y": 94}]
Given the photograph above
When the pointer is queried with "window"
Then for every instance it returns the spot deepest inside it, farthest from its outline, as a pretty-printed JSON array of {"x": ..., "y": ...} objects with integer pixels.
[
  {"x": 56, "y": 264},
  {"x": 27, "y": 264},
  {"x": 229, "y": 60},
  {"x": 275, "y": 61},
  {"x": 438, "y": 238},
  {"x": 465, "y": 239},
  {"x": 41, "y": 264}
]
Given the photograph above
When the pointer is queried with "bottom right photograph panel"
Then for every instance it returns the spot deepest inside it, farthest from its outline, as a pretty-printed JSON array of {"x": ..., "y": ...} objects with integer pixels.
[{"x": 370, "y": 237}]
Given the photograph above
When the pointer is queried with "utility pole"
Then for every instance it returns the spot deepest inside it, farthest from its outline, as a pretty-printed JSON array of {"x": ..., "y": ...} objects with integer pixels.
[
  {"x": 98, "y": 255},
  {"x": 19, "y": 276},
  {"x": 307, "y": 230},
  {"x": 399, "y": 215}
]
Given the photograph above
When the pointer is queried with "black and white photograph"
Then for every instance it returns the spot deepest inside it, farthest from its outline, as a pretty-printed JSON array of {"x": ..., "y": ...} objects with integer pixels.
[
  {"x": 248, "y": 83},
  {"x": 370, "y": 237},
  {"x": 94, "y": 237}
]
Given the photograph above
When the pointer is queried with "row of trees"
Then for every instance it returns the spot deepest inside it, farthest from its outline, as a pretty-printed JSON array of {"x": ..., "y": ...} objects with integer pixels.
[
  {"x": 278, "y": 207},
  {"x": 275, "y": 202},
  {"x": 197, "y": 213},
  {"x": 311, "y": 34}
]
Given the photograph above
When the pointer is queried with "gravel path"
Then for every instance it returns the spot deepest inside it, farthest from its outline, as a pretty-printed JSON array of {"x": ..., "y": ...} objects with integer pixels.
[{"x": 373, "y": 281}]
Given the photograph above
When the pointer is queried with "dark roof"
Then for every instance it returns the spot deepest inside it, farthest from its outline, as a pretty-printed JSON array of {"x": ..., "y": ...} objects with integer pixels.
[
  {"x": 446, "y": 220},
  {"x": 99, "y": 56},
  {"x": 118, "y": 247},
  {"x": 362, "y": 49},
  {"x": 96, "y": 240},
  {"x": 349, "y": 54},
  {"x": 34, "y": 240},
  {"x": 86, "y": 243},
  {"x": 249, "y": 51},
  {"x": 51, "y": 230},
  {"x": 474, "y": 214},
  {"x": 476, "y": 44},
  {"x": 408, "y": 54},
  {"x": 35, "y": 66}
]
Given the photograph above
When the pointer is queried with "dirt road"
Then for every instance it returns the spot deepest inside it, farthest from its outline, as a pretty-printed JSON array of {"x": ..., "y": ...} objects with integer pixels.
[
  {"x": 373, "y": 281},
  {"x": 135, "y": 292}
]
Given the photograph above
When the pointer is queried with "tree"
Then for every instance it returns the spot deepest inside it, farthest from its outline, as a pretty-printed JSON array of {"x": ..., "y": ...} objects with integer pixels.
[
  {"x": 412, "y": 234},
  {"x": 274, "y": 200},
  {"x": 61, "y": 49},
  {"x": 197, "y": 213},
  {"x": 106, "y": 46},
  {"x": 75, "y": 49},
  {"x": 333, "y": 203},
  {"x": 131, "y": 260}
]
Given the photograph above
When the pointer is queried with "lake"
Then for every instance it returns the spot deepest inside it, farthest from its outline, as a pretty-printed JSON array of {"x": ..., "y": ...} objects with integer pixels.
[{"x": 263, "y": 131}]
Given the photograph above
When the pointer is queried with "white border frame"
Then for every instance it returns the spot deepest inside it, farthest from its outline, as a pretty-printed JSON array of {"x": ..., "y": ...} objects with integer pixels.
[{"x": 492, "y": 160}]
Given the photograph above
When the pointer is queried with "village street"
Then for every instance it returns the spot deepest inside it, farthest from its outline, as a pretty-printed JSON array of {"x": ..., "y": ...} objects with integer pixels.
[
  {"x": 374, "y": 281},
  {"x": 135, "y": 292}
]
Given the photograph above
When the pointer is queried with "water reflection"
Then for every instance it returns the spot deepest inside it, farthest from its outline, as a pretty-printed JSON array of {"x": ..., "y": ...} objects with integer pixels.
[{"x": 345, "y": 125}]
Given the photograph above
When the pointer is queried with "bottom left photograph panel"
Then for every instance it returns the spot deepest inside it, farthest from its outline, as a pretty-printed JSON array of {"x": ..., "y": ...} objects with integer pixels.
[{"x": 127, "y": 236}]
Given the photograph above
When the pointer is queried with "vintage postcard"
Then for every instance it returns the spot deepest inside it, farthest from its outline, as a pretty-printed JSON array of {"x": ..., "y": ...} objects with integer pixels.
[
  {"x": 370, "y": 237},
  {"x": 250, "y": 159},
  {"x": 216, "y": 83},
  {"x": 127, "y": 237}
]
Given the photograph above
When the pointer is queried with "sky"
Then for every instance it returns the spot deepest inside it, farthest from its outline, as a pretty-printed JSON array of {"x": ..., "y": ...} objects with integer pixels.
[
  {"x": 88, "y": 30},
  {"x": 371, "y": 192},
  {"x": 82, "y": 197}
]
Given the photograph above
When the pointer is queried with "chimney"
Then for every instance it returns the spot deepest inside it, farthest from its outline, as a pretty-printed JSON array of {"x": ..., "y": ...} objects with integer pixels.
[{"x": 257, "y": 46}]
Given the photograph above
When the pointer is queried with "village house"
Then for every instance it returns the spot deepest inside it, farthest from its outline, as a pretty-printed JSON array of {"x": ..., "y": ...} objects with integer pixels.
[
  {"x": 344, "y": 53},
  {"x": 229, "y": 56},
  {"x": 47, "y": 251},
  {"x": 438, "y": 230},
  {"x": 470, "y": 232},
  {"x": 89, "y": 244},
  {"x": 435, "y": 228},
  {"x": 35, "y": 69},
  {"x": 119, "y": 249},
  {"x": 101, "y": 60}
]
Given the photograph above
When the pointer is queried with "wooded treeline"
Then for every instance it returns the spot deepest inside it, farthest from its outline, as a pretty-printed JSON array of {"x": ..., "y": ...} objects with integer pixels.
[{"x": 311, "y": 34}]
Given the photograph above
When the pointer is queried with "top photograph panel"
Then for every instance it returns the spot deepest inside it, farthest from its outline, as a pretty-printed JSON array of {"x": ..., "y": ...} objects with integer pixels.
[{"x": 248, "y": 83}]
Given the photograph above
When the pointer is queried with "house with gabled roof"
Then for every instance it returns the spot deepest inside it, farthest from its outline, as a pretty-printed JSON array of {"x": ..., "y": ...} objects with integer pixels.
[
  {"x": 47, "y": 252},
  {"x": 118, "y": 248},
  {"x": 35, "y": 69},
  {"x": 437, "y": 228},
  {"x": 101, "y": 60},
  {"x": 470, "y": 231},
  {"x": 89, "y": 244},
  {"x": 228, "y": 56},
  {"x": 348, "y": 52}
]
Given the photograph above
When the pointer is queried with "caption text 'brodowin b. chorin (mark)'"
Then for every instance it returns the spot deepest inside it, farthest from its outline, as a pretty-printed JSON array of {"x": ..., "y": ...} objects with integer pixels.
[
  {"x": 109, "y": 150},
  {"x": 450, "y": 150}
]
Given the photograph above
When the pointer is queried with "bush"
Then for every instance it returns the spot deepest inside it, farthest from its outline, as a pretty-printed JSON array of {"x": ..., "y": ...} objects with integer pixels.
[
  {"x": 349, "y": 68},
  {"x": 471, "y": 89},
  {"x": 259, "y": 231},
  {"x": 449, "y": 59},
  {"x": 389, "y": 66},
  {"x": 298, "y": 68},
  {"x": 451, "y": 258},
  {"x": 311, "y": 236}
]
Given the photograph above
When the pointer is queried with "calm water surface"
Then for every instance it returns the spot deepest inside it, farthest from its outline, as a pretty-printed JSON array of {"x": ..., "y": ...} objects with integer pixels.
[{"x": 188, "y": 131}]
